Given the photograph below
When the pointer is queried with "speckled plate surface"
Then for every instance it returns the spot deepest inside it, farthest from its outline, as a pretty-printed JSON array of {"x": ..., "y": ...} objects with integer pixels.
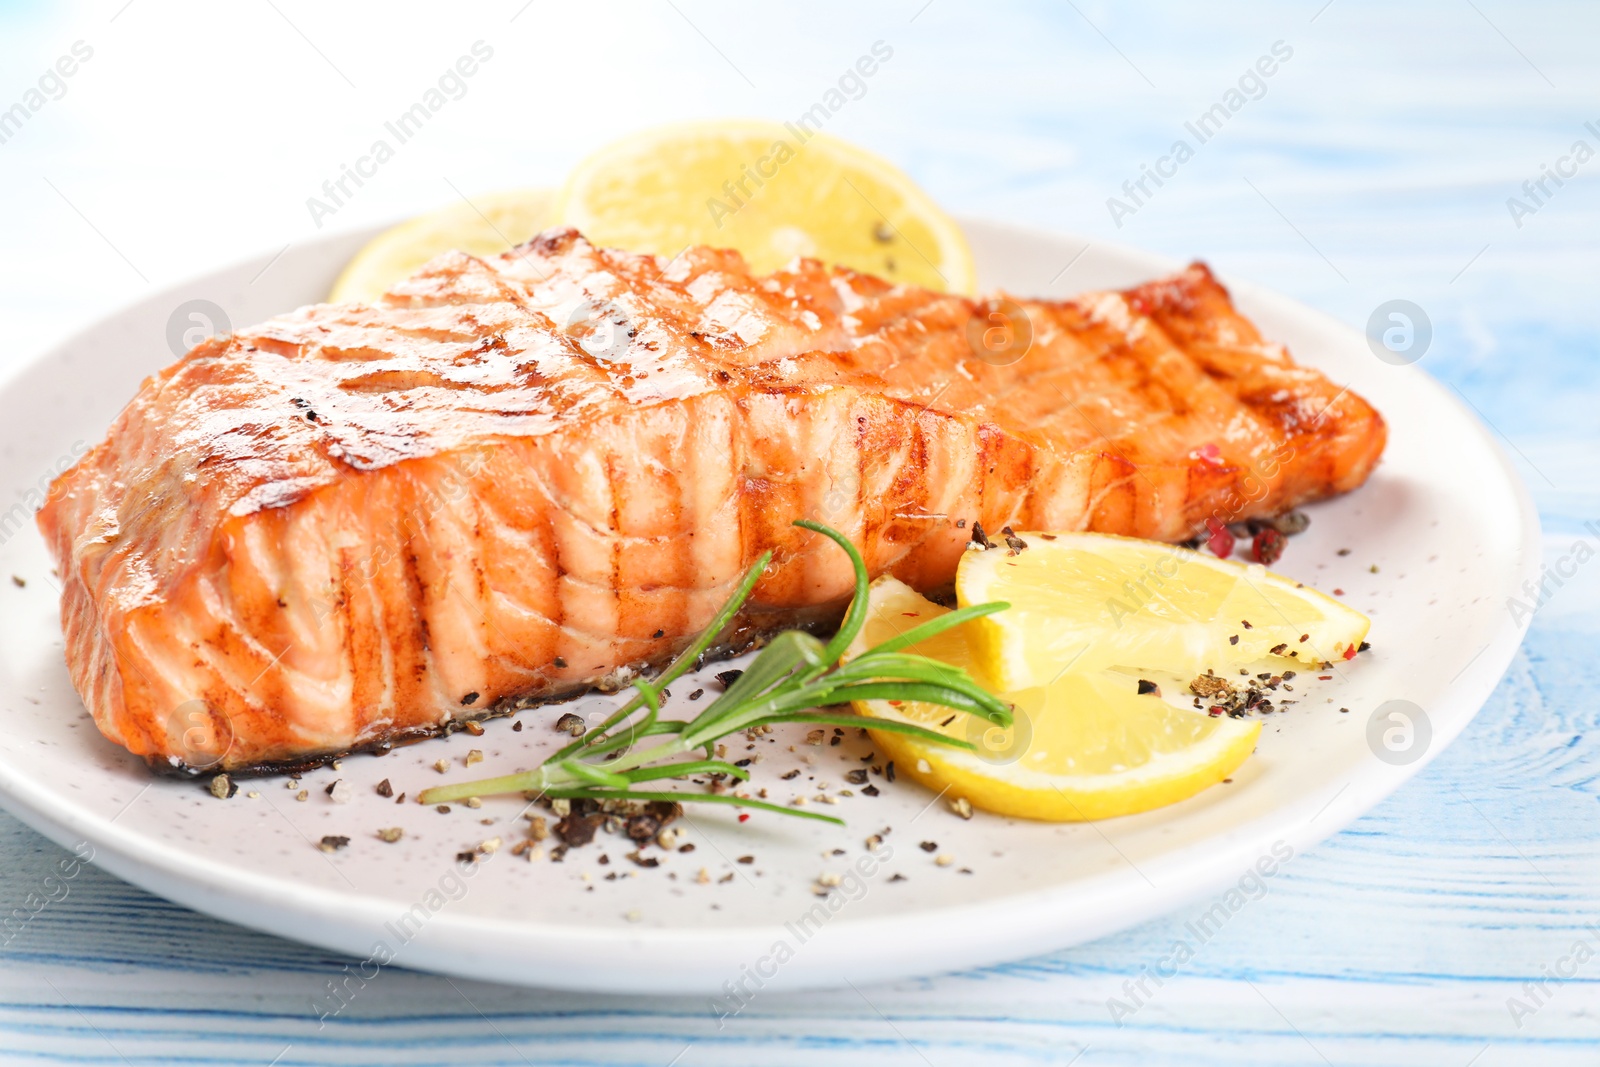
[{"x": 1439, "y": 539}]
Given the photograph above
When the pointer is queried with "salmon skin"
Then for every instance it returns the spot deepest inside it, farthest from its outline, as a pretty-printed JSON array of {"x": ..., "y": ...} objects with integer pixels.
[{"x": 515, "y": 479}]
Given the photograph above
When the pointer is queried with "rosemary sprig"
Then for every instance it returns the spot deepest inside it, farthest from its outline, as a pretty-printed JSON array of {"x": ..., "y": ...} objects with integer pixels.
[{"x": 795, "y": 679}]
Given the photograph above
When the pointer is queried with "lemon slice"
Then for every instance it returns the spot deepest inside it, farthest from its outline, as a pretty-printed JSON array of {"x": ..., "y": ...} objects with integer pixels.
[
  {"x": 1084, "y": 601},
  {"x": 773, "y": 191},
  {"x": 1087, "y": 746},
  {"x": 487, "y": 226}
]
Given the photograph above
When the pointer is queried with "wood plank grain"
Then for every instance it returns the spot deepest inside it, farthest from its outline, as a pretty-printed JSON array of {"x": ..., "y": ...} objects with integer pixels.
[{"x": 1377, "y": 164}]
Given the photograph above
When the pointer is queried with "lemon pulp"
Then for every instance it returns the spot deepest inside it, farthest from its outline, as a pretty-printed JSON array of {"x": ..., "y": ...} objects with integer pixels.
[
  {"x": 1085, "y": 746},
  {"x": 486, "y": 226},
  {"x": 1082, "y": 602},
  {"x": 771, "y": 191}
]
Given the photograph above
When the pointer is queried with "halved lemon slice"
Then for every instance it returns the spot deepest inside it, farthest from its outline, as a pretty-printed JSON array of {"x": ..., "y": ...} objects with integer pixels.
[
  {"x": 771, "y": 191},
  {"x": 488, "y": 225},
  {"x": 1088, "y": 746},
  {"x": 1082, "y": 602}
]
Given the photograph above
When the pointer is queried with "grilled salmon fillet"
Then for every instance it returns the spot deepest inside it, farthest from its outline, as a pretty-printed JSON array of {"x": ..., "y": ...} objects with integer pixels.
[{"x": 514, "y": 479}]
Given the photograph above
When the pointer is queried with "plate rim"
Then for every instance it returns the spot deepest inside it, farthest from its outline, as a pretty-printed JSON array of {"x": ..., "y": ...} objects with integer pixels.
[{"x": 331, "y": 918}]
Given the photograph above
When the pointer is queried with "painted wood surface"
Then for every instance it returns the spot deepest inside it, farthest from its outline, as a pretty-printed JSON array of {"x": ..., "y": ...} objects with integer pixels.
[{"x": 1375, "y": 163}]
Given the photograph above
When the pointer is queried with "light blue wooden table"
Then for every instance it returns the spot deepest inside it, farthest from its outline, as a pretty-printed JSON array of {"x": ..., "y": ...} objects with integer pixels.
[{"x": 1375, "y": 163}]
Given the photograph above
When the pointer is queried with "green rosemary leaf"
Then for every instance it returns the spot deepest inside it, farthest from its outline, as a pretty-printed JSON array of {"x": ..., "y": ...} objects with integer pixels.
[
  {"x": 627, "y": 736},
  {"x": 924, "y": 630},
  {"x": 775, "y": 662},
  {"x": 919, "y": 692},
  {"x": 683, "y": 770},
  {"x": 689, "y": 656},
  {"x": 902, "y": 665},
  {"x": 891, "y": 725},
  {"x": 856, "y": 616},
  {"x": 600, "y": 744},
  {"x": 521, "y": 782},
  {"x": 662, "y": 726},
  {"x": 590, "y": 773},
  {"x": 794, "y": 674},
  {"x": 930, "y": 687},
  {"x": 598, "y": 741}
]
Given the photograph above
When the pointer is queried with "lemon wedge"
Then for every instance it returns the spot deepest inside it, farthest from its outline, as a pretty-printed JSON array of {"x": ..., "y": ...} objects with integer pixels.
[
  {"x": 772, "y": 192},
  {"x": 486, "y": 226},
  {"x": 1081, "y": 602},
  {"x": 1086, "y": 746}
]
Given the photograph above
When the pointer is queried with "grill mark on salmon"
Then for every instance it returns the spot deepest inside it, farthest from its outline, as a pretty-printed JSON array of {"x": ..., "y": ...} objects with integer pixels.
[{"x": 328, "y": 530}]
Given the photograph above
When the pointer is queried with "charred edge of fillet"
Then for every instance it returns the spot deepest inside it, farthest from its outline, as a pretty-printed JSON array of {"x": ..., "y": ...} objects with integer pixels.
[
  {"x": 749, "y": 632},
  {"x": 300, "y": 764}
]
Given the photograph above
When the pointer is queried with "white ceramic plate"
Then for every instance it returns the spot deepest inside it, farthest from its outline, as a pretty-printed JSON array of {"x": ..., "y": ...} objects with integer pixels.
[{"x": 1442, "y": 535}]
